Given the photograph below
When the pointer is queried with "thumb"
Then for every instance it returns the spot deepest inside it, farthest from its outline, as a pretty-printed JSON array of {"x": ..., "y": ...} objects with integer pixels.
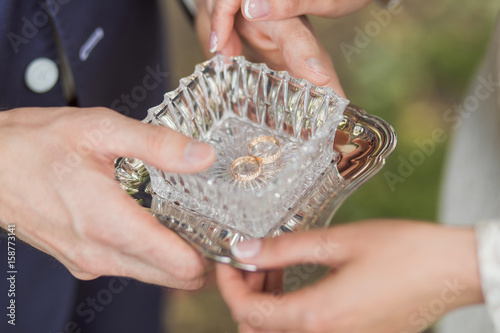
[
  {"x": 159, "y": 146},
  {"x": 259, "y": 10},
  {"x": 318, "y": 247},
  {"x": 279, "y": 9}
]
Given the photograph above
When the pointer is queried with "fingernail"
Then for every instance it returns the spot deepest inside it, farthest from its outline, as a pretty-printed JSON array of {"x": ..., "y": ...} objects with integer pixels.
[
  {"x": 197, "y": 152},
  {"x": 256, "y": 8},
  {"x": 315, "y": 65},
  {"x": 213, "y": 42},
  {"x": 247, "y": 249}
]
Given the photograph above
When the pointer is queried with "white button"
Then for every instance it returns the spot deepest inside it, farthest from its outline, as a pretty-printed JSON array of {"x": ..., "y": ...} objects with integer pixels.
[{"x": 41, "y": 75}]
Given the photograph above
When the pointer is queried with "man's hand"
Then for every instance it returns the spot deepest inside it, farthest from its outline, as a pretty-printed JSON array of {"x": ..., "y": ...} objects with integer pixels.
[
  {"x": 57, "y": 186},
  {"x": 385, "y": 277},
  {"x": 288, "y": 44}
]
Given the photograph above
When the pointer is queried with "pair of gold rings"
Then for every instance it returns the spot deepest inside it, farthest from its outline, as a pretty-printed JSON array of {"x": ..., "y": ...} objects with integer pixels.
[{"x": 255, "y": 158}]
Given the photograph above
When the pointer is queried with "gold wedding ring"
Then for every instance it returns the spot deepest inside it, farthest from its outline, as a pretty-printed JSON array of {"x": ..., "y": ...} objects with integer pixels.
[
  {"x": 245, "y": 160},
  {"x": 260, "y": 139}
]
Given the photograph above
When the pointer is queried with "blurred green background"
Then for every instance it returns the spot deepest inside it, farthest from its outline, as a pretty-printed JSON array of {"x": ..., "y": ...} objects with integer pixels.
[{"x": 412, "y": 68}]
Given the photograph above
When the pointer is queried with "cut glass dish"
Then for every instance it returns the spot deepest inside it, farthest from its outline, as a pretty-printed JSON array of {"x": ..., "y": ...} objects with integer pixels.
[
  {"x": 227, "y": 102},
  {"x": 342, "y": 160}
]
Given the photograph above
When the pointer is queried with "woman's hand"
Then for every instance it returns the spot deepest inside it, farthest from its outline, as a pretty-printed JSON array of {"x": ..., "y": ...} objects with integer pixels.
[
  {"x": 225, "y": 12},
  {"x": 57, "y": 186},
  {"x": 385, "y": 277},
  {"x": 288, "y": 44}
]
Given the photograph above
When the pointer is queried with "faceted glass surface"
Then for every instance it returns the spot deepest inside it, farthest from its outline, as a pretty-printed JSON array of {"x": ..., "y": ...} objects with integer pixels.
[{"x": 227, "y": 102}]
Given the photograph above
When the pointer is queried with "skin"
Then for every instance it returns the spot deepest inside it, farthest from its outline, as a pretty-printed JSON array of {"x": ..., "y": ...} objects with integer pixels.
[
  {"x": 224, "y": 12},
  {"x": 113, "y": 235},
  {"x": 283, "y": 37},
  {"x": 58, "y": 188},
  {"x": 281, "y": 44},
  {"x": 386, "y": 276}
]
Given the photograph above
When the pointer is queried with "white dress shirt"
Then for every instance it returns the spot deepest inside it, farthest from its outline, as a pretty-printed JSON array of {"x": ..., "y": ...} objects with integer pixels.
[{"x": 471, "y": 190}]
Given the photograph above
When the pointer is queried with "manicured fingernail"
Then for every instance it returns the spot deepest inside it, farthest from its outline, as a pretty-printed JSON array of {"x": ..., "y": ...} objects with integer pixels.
[
  {"x": 256, "y": 8},
  {"x": 197, "y": 152},
  {"x": 315, "y": 65},
  {"x": 247, "y": 249},
  {"x": 213, "y": 42}
]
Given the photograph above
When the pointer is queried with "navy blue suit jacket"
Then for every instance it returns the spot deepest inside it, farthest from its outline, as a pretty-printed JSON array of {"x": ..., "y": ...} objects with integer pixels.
[{"x": 114, "y": 52}]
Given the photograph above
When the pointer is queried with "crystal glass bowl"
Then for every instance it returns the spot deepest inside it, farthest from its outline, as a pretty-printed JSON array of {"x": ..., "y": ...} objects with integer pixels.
[
  {"x": 362, "y": 144},
  {"x": 228, "y": 102}
]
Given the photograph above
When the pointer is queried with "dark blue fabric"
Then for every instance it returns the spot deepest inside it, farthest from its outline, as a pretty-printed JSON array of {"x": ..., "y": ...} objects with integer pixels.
[
  {"x": 44, "y": 291},
  {"x": 116, "y": 305},
  {"x": 125, "y": 63},
  {"x": 22, "y": 42},
  {"x": 124, "y": 71}
]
